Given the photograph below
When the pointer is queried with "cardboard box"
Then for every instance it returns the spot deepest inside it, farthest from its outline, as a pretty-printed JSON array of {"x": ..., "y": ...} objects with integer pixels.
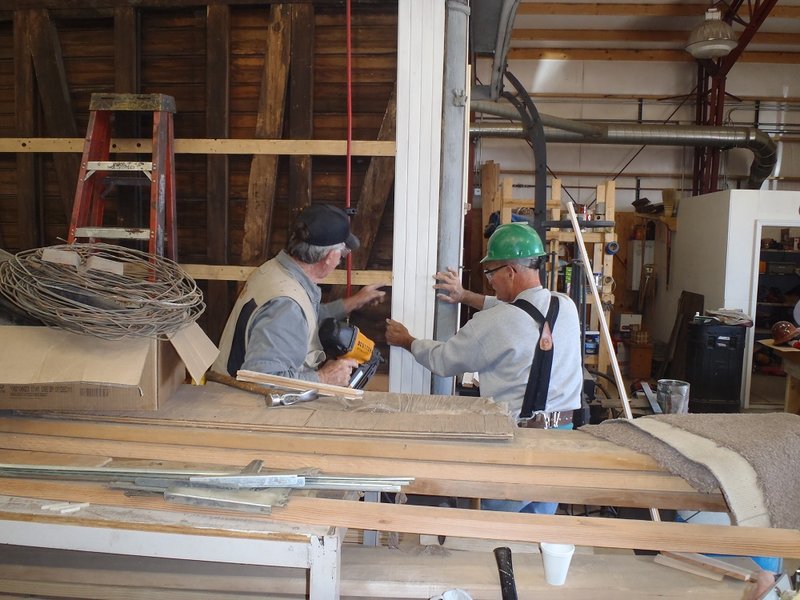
[
  {"x": 628, "y": 319},
  {"x": 50, "y": 369}
]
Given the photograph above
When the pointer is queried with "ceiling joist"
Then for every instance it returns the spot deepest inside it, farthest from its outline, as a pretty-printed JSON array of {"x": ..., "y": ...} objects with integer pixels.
[
  {"x": 605, "y": 35},
  {"x": 640, "y": 55},
  {"x": 636, "y": 10}
]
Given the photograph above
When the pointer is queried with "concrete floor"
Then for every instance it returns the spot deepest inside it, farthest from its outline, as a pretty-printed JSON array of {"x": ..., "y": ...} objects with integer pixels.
[{"x": 767, "y": 393}]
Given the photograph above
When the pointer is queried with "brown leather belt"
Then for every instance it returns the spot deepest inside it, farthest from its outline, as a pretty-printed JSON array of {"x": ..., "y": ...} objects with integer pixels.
[{"x": 547, "y": 420}]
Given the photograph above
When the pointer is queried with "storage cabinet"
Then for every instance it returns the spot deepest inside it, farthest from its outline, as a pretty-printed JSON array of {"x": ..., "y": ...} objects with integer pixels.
[{"x": 714, "y": 357}]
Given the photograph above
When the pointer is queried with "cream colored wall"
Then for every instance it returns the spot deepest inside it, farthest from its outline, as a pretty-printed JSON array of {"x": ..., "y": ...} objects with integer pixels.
[
  {"x": 561, "y": 87},
  {"x": 715, "y": 252}
]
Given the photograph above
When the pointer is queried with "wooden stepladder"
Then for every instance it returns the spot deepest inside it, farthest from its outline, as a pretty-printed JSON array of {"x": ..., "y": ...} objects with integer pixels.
[{"x": 88, "y": 207}]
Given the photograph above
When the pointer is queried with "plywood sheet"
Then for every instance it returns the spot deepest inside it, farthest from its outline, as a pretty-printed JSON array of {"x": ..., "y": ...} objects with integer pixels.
[{"x": 376, "y": 413}]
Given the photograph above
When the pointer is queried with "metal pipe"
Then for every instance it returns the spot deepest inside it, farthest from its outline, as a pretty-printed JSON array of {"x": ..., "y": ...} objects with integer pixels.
[
  {"x": 506, "y": 110},
  {"x": 451, "y": 189},
  {"x": 765, "y": 155}
]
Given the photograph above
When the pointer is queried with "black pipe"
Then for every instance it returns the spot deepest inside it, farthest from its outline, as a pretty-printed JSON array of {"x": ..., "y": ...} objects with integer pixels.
[{"x": 508, "y": 586}]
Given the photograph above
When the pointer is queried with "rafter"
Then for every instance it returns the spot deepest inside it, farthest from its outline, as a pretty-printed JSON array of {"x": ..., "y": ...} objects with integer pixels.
[
  {"x": 533, "y": 7},
  {"x": 641, "y": 35},
  {"x": 640, "y": 55}
]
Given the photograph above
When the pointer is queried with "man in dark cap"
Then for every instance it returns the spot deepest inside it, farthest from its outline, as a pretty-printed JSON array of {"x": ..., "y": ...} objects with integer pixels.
[{"x": 273, "y": 327}]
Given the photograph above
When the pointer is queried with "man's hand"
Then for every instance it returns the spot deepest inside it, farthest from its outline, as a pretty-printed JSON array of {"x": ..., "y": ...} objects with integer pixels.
[
  {"x": 398, "y": 335},
  {"x": 450, "y": 284},
  {"x": 337, "y": 372},
  {"x": 368, "y": 295},
  {"x": 453, "y": 292}
]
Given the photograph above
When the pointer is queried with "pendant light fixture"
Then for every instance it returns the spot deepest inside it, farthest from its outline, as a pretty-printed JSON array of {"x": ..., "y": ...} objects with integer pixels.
[{"x": 713, "y": 38}]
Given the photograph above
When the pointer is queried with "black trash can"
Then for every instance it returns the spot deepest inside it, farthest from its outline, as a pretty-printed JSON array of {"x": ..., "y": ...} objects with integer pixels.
[{"x": 714, "y": 360}]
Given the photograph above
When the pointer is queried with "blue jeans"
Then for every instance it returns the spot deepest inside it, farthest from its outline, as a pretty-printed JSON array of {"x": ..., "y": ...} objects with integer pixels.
[
  {"x": 521, "y": 506},
  {"x": 524, "y": 506}
]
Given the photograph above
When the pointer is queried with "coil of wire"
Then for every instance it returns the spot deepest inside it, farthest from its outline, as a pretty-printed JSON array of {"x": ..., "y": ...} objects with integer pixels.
[{"x": 103, "y": 290}]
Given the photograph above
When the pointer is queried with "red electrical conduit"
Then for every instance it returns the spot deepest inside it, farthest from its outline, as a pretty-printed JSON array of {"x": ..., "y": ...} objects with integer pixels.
[{"x": 348, "y": 167}]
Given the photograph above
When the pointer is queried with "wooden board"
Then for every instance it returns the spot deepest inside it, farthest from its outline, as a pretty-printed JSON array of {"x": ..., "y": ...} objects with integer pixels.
[
  {"x": 552, "y": 465},
  {"x": 366, "y": 573},
  {"x": 584, "y": 531}
]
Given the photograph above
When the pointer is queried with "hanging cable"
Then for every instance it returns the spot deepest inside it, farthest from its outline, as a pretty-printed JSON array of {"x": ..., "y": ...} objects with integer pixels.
[{"x": 348, "y": 167}]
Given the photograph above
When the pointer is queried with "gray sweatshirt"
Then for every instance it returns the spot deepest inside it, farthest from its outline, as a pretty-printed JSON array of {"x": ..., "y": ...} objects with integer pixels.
[{"x": 498, "y": 342}]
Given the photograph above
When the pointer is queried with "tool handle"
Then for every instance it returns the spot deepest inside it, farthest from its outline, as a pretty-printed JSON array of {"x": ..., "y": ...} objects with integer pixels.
[
  {"x": 255, "y": 388},
  {"x": 508, "y": 586}
]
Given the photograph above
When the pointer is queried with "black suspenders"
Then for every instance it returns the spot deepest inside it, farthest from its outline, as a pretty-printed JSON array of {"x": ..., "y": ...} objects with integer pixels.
[{"x": 539, "y": 378}]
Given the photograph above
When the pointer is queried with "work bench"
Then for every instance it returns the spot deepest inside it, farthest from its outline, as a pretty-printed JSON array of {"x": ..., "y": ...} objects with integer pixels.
[
  {"x": 174, "y": 533},
  {"x": 566, "y": 466}
]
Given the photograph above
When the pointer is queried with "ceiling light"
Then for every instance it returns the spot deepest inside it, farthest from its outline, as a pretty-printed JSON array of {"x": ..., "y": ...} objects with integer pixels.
[{"x": 713, "y": 38}]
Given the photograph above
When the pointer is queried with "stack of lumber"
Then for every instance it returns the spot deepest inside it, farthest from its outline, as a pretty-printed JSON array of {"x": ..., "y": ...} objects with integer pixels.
[
  {"x": 375, "y": 414},
  {"x": 557, "y": 465}
]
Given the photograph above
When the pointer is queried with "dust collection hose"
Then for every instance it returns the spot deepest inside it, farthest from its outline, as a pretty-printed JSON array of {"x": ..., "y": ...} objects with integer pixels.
[{"x": 508, "y": 586}]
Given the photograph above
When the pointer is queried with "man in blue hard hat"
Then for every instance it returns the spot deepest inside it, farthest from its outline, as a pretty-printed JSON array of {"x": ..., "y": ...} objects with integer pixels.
[{"x": 519, "y": 353}]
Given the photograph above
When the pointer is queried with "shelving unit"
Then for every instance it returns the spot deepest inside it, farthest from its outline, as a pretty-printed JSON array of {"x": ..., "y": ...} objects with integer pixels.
[
  {"x": 561, "y": 241},
  {"x": 778, "y": 288},
  {"x": 778, "y": 292}
]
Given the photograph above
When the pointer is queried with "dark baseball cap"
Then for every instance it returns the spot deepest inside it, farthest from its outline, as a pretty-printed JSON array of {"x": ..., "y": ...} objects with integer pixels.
[{"x": 327, "y": 226}]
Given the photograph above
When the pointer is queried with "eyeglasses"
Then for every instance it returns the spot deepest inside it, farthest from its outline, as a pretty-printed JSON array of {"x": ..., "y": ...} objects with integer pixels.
[{"x": 490, "y": 272}]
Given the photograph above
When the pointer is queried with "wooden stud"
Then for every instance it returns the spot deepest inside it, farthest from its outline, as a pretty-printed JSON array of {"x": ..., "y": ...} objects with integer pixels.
[
  {"x": 301, "y": 103},
  {"x": 269, "y": 124},
  {"x": 218, "y": 294},
  {"x": 55, "y": 98},
  {"x": 25, "y": 177}
]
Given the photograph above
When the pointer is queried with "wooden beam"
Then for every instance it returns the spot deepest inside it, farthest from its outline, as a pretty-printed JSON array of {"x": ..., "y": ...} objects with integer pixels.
[
  {"x": 627, "y": 35},
  {"x": 605, "y": 487},
  {"x": 170, "y": 4},
  {"x": 218, "y": 50},
  {"x": 378, "y": 184},
  {"x": 490, "y": 186},
  {"x": 209, "y": 146},
  {"x": 269, "y": 124},
  {"x": 639, "y": 9},
  {"x": 26, "y": 178},
  {"x": 596, "y": 35},
  {"x": 640, "y": 55},
  {"x": 127, "y": 46},
  {"x": 241, "y": 273},
  {"x": 545, "y": 448},
  {"x": 598, "y": 54},
  {"x": 301, "y": 104},
  {"x": 55, "y": 98},
  {"x": 582, "y": 531}
]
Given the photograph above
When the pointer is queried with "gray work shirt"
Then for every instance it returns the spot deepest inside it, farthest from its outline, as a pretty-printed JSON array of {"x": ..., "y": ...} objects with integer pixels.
[
  {"x": 278, "y": 333},
  {"x": 498, "y": 342}
]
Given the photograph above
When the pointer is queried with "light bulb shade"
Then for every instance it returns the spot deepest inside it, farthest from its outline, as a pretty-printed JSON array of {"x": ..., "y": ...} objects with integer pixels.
[{"x": 713, "y": 38}]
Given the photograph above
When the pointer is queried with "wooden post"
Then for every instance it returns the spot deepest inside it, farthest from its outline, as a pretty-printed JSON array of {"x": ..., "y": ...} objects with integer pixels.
[{"x": 506, "y": 197}]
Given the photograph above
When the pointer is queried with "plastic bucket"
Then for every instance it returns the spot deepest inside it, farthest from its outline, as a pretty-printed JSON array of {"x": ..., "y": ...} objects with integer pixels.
[{"x": 673, "y": 395}]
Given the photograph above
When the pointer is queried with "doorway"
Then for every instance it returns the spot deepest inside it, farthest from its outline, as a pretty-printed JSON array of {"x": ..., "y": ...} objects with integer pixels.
[{"x": 777, "y": 293}]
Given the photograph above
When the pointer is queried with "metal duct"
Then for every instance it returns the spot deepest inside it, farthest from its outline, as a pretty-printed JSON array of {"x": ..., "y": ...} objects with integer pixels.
[
  {"x": 490, "y": 34},
  {"x": 507, "y": 110},
  {"x": 764, "y": 150}
]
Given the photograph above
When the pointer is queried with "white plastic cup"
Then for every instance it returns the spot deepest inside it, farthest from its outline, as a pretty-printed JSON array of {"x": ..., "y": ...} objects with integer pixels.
[{"x": 556, "y": 559}]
